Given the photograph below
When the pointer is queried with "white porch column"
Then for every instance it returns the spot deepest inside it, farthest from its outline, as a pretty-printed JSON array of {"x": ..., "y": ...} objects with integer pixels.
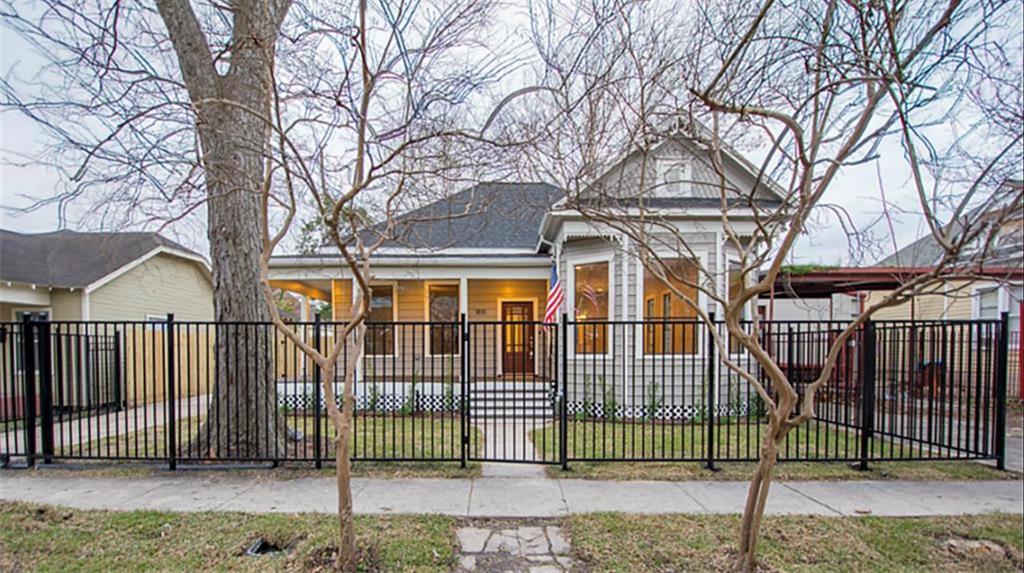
[
  {"x": 359, "y": 363},
  {"x": 464, "y": 296}
]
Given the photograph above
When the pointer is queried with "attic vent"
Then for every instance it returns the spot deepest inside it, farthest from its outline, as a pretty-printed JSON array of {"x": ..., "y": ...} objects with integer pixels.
[{"x": 672, "y": 176}]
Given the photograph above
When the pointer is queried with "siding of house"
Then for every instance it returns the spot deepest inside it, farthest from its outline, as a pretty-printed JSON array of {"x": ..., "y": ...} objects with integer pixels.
[
  {"x": 163, "y": 284},
  {"x": 66, "y": 305},
  {"x": 952, "y": 301}
]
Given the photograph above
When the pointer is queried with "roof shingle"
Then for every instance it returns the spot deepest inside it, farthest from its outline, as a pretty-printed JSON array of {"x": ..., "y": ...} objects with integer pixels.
[{"x": 70, "y": 258}]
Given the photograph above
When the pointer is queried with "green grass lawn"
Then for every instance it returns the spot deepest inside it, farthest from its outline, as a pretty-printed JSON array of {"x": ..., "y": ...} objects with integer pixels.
[
  {"x": 40, "y": 538},
  {"x": 618, "y": 542},
  {"x": 687, "y": 441},
  {"x": 388, "y": 437}
]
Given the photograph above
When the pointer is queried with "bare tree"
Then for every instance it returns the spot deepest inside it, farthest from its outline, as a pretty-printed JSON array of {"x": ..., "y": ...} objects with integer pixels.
[
  {"x": 815, "y": 88},
  {"x": 381, "y": 123},
  {"x": 152, "y": 113}
]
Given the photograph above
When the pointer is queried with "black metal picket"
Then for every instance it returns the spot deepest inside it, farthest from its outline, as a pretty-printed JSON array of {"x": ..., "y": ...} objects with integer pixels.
[{"x": 581, "y": 390}]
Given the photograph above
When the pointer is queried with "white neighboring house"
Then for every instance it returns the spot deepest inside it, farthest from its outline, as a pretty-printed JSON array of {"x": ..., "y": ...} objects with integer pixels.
[{"x": 71, "y": 276}]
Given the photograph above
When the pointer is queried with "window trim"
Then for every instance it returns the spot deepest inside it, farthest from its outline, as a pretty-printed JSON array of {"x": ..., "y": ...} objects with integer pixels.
[
  {"x": 571, "y": 263},
  {"x": 1002, "y": 299},
  {"x": 394, "y": 318},
  {"x": 702, "y": 301},
  {"x": 156, "y": 322},
  {"x": 535, "y": 302},
  {"x": 457, "y": 283},
  {"x": 33, "y": 309}
]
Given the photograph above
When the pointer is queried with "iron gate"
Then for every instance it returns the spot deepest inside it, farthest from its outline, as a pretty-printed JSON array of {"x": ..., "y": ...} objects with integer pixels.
[{"x": 512, "y": 392}]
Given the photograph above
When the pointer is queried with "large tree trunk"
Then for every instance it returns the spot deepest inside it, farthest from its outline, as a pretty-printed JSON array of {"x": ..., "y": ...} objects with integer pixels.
[{"x": 231, "y": 113}]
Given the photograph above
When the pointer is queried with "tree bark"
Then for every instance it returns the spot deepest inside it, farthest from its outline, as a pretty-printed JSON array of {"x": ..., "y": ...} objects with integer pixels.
[
  {"x": 757, "y": 497},
  {"x": 242, "y": 422},
  {"x": 342, "y": 420}
]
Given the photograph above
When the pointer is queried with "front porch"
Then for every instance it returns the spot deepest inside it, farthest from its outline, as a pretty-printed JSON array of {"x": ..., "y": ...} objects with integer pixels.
[{"x": 414, "y": 325}]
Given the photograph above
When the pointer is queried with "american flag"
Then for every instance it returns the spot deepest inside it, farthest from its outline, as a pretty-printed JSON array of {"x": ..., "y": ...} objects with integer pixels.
[{"x": 555, "y": 297}]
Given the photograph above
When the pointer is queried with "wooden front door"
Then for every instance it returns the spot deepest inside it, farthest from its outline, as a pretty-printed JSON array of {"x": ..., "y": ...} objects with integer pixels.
[{"x": 517, "y": 337}]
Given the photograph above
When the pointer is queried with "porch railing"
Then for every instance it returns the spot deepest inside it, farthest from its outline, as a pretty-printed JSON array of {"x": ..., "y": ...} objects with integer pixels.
[{"x": 578, "y": 391}]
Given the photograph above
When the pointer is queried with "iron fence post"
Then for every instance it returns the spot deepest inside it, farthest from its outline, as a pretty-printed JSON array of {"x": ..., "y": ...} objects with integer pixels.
[
  {"x": 463, "y": 390},
  {"x": 171, "y": 397},
  {"x": 28, "y": 378},
  {"x": 563, "y": 411},
  {"x": 1002, "y": 365},
  {"x": 710, "y": 464},
  {"x": 867, "y": 391},
  {"x": 317, "y": 437},
  {"x": 45, "y": 367}
]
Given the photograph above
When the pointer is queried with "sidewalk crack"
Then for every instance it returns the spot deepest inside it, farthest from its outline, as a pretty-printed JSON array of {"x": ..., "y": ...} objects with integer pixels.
[
  {"x": 687, "y": 493},
  {"x": 815, "y": 500}
]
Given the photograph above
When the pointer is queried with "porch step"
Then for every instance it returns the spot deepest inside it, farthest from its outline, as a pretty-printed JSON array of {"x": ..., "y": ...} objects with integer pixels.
[
  {"x": 518, "y": 415},
  {"x": 509, "y": 399},
  {"x": 509, "y": 396}
]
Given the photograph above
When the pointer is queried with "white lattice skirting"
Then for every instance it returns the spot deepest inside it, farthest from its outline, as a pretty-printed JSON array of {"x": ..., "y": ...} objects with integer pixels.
[
  {"x": 660, "y": 412},
  {"x": 302, "y": 397}
]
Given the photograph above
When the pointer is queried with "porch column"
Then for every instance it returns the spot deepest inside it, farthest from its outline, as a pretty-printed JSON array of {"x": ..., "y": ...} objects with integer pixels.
[
  {"x": 359, "y": 363},
  {"x": 464, "y": 296}
]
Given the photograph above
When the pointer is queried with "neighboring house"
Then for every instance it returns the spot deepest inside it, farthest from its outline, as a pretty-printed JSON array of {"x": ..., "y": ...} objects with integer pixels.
[
  {"x": 119, "y": 282},
  {"x": 70, "y": 276},
  {"x": 487, "y": 252},
  {"x": 983, "y": 299}
]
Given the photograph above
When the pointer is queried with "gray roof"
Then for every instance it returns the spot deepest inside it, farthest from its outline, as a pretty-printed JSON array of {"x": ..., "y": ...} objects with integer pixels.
[
  {"x": 484, "y": 216},
  {"x": 70, "y": 258},
  {"x": 1007, "y": 250},
  {"x": 923, "y": 252}
]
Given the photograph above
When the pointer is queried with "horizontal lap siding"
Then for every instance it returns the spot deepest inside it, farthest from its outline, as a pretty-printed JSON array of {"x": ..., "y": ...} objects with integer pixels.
[{"x": 163, "y": 284}]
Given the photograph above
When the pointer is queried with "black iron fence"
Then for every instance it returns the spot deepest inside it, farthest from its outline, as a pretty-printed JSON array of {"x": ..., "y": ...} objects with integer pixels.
[{"x": 653, "y": 390}]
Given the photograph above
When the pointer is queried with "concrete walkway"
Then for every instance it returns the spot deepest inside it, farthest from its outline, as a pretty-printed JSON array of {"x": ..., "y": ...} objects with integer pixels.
[
  {"x": 509, "y": 497},
  {"x": 70, "y": 432}
]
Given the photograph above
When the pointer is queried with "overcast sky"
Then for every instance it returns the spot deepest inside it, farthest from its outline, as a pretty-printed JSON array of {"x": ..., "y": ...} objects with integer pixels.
[{"x": 21, "y": 141}]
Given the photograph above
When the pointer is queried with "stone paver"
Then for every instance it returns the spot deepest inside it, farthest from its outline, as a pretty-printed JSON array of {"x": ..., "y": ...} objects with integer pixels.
[
  {"x": 523, "y": 549},
  {"x": 506, "y": 497}
]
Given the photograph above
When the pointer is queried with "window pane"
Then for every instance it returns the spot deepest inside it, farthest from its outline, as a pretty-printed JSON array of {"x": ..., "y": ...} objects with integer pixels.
[
  {"x": 988, "y": 304},
  {"x": 591, "y": 306},
  {"x": 380, "y": 331},
  {"x": 664, "y": 303},
  {"x": 444, "y": 309}
]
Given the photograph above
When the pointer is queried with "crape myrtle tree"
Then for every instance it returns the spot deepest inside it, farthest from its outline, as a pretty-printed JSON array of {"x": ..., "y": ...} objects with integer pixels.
[
  {"x": 384, "y": 114},
  {"x": 815, "y": 90},
  {"x": 151, "y": 111}
]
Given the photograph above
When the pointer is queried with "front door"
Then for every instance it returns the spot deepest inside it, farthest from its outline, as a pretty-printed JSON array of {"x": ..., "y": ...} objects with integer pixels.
[{"x": 517, "y": 335}]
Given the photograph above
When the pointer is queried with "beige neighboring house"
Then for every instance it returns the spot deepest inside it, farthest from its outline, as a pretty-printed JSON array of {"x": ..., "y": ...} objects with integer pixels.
[
  {"x": 962, "y": 300},
  {"x": 71, "y": 276}
]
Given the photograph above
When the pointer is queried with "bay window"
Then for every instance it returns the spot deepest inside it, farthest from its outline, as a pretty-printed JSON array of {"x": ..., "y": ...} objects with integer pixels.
[
  {"x": 670, "y": 336},
  {"x": 591, "y": 302}
]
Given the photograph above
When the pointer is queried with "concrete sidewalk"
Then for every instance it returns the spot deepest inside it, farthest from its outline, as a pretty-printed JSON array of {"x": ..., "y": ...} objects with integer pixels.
[{"x": 510, "y": 497}]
